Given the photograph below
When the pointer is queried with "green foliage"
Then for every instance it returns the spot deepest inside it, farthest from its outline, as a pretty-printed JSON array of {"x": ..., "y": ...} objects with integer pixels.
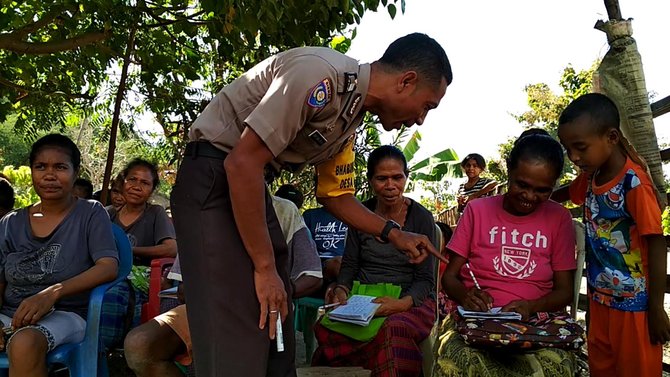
[
  {"x": 436, "y": 167},
  {"x": 14, "y": 149},
  {"x": 58, "y": 57},
  {"x": 545, "y": 108},
  {"x": 665, "y": 220},
  {"x": 441, "y": 196},
  {"x": 22, "y": 183}
]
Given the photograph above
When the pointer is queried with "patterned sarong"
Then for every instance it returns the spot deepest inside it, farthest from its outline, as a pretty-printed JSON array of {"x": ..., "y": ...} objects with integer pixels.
[
  {"x": 457, "y": 359},
  {"x": 394, "y": 352},
  {"x": 114, "y": 321}
]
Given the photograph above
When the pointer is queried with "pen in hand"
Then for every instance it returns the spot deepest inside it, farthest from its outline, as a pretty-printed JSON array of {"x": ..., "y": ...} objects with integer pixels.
[
  {"x": 334, "y": 304},
  {"x": 474, "y": 279}
]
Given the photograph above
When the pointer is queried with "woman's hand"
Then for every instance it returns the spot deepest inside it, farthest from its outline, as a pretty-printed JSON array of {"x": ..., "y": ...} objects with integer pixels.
[
  {"x": 35, "y": 307},
  {"x": 336, "y": 293},
  {"x": 392, "y": 305},
  {"x": 659, "y": 326},
  {"x": 520, "y": 306},
  {"x": 477, "y": 300}
]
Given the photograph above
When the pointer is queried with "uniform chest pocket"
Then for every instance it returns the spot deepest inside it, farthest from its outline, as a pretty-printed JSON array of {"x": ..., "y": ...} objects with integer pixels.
[{"x": 311, "y": 142}]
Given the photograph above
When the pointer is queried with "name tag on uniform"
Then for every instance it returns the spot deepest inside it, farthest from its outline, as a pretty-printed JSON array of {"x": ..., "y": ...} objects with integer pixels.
[{"x": 317, "y": 137}]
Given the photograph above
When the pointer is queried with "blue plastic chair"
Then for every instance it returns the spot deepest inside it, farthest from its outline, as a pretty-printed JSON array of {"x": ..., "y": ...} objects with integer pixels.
[{"x": 87, "y": 358}]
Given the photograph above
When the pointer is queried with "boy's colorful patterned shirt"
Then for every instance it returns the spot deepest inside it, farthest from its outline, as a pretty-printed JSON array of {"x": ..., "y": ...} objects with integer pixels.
[{"x": 617, "y": 215}]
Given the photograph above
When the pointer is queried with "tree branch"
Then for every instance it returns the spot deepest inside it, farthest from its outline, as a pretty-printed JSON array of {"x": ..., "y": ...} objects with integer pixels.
[
  {"x": 10, "y": 43},
  {"x": 46, "y": 19},
  {"x": 24, "y": 92}
]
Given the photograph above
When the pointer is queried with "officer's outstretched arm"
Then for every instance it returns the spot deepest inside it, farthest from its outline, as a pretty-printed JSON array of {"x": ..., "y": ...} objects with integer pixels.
[{"x": 348, "y": 209}]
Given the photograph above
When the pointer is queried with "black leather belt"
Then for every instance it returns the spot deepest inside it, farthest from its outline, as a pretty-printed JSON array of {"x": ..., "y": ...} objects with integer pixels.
[{"x": 204, "y": 149}]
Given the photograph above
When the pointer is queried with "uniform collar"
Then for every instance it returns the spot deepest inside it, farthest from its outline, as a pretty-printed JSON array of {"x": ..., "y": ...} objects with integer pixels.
[{"x": 353, "y": 103}]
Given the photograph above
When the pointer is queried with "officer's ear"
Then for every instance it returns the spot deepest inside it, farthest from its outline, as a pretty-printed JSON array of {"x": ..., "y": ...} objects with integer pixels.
[{"x": 407, "y": 81}]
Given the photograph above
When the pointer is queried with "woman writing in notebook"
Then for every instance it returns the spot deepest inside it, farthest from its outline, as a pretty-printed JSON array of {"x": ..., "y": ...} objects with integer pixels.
[
  {"x": 515, "y": 251},
  {"x": 394, "y": 351}
]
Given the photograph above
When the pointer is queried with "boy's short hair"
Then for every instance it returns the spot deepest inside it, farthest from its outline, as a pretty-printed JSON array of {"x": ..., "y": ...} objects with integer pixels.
[{"x": 602, "y": 111}]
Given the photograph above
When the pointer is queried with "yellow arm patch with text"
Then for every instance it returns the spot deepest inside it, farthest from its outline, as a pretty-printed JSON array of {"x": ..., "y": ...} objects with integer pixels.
[{"x": 335, "y": 177}]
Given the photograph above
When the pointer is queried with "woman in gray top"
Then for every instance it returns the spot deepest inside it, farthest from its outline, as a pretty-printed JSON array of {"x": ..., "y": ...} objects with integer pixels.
[
  {"x": 395, "y": 349},
  {"x": 51, "y": 255}
]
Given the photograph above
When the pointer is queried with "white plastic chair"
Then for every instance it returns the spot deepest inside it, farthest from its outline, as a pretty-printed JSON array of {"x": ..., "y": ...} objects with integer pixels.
[
  {"x": 427, "y": 345},
  {"x": 580, "y": 251}
]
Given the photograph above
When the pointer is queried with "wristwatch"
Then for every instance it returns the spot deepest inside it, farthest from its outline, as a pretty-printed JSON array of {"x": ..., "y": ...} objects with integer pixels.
[{"x": 390, "y": 224}]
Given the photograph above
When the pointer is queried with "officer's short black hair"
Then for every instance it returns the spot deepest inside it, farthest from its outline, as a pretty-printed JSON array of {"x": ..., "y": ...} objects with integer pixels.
[{"x": 421, "y": 53}]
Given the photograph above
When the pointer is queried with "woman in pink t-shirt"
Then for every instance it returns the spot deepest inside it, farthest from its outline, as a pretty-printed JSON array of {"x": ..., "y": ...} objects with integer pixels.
[{"x": 520, "y": 249}]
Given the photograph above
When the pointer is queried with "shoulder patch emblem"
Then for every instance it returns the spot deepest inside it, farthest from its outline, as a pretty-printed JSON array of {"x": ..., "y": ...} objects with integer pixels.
[{"x": 319, "y": 96}]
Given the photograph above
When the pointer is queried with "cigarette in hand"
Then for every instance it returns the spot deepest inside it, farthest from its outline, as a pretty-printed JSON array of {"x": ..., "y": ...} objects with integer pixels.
[{"x": 279, "y": 334}]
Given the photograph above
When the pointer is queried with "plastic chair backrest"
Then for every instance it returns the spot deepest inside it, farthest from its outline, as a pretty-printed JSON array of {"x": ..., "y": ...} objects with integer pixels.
[
  {"x": 87, "y": 358},
  {"x": 152, "y": 307},
  {"x": 580, "y": 251},
  {"x": 427, "y": 344}
]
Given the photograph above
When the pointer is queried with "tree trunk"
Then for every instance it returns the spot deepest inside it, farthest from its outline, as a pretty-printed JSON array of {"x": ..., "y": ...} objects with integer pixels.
[
  {"x": 621, "y": 77},
  {"x": 120, "y": 93}
]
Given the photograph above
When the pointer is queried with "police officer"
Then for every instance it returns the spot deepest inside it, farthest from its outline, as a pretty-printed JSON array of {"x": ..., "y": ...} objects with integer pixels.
[{"x": 300, "y": 106}]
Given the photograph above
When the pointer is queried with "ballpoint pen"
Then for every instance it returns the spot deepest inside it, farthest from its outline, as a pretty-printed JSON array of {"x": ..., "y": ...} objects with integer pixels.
[
  {"x": 474, "y": 279},
  {"x": 324, "y": 307}
]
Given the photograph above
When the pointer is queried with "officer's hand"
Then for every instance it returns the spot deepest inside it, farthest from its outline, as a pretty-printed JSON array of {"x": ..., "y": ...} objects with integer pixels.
[
  {"x": 272, "y": 297},
  {"x": 416, "y": 246}
]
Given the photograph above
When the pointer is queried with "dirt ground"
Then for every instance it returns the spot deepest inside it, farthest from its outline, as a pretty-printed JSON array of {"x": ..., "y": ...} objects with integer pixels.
[{"x": 118, "y": 368}]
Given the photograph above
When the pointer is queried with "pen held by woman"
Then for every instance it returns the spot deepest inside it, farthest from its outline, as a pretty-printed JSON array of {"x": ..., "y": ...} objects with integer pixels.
[{"x": 483, "y": 296}]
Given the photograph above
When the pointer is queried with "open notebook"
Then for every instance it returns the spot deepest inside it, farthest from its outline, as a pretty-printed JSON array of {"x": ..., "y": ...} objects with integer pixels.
[
  {"x": 494, "y": 313},
  {"x": 359, "y": 310}
]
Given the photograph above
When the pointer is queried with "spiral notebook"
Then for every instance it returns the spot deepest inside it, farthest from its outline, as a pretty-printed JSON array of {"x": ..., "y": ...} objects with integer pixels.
[
  {"x": 359, "y": 310},
  {"x": 494, "y": 313}
]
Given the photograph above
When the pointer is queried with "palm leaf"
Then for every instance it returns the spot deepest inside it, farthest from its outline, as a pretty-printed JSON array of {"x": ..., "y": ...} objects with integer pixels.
[{"x": 412, "y": 146}]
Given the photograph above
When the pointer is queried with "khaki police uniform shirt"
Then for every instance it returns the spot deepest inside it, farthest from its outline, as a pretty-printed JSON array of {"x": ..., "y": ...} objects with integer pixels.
[{"x": 304, "y": 103}]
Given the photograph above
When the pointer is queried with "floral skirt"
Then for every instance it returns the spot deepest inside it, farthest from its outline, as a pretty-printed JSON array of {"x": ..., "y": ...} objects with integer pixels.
[
  {"x": 454, "y": 358},
  {"x": 394, "y": 352}
]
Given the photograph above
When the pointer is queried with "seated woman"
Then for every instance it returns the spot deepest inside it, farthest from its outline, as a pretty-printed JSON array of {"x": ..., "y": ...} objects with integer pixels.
[
  {"x": 149, "y": 228},
  {"x": 151, "y": 235},
  {"x": 395, "y": 349},
  {"x": 475, "y": 187},
  {"x": 520, "y": 248},
  {"x": 51, "y": 255}
]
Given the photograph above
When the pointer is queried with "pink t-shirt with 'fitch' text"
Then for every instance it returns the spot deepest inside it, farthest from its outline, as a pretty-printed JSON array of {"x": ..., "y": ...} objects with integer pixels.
[{"x": 514, "y": 257}]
